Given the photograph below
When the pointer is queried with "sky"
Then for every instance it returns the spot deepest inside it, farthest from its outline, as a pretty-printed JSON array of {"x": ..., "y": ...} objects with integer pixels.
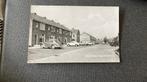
[{"x": 99, "y": 21}]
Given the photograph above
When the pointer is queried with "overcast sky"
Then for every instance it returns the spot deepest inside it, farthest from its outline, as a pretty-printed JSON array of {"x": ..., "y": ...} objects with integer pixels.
[{"x": 96, "y": 20}]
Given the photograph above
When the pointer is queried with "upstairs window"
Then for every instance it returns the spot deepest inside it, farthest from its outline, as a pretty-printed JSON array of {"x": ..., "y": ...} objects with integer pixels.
[
  {"x": 42, "y": 26},
  {"x": 57, "y": 30},
  {"x": 53, "y": 29},
  {"x": 49, "y": 27},
  {"x": 68, "y": 33},
  {"x": 37, "y": 25},
  {"x": 63, "y": 31}
]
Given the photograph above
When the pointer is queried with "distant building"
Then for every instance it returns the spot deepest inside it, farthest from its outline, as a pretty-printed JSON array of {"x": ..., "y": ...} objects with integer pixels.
[
  {"x": 75, "y": 35},
  {"x": 86, "y": 38},
  {"x": 43, "y": 29}
]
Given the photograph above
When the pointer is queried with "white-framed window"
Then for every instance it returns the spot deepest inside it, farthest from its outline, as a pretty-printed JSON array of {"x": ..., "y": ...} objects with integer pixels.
[
  {"x": 53, "y": 29},
  {"x": 70, "y": 33},
  {"x": 49, "y": 27},
  {"x": 60, "y": 31},
  {"x": 36, "y": 24},
  {"x": 42, "y": 26},
  {"x": 57, "y": 30}
]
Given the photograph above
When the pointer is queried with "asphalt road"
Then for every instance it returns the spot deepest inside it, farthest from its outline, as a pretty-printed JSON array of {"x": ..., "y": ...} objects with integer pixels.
[{"x": 88, "y": 54}]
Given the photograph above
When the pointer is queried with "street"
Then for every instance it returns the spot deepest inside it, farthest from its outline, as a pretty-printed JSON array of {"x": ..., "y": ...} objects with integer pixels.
[{"x": 88, "y": 54}]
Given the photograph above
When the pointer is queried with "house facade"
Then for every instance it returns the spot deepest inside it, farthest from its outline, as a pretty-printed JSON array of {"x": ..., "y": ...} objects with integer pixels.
[
  {"x": 75, "y": 35},
  {"x": 86, "y": 38},
  {"x": 43, "y": 29}
]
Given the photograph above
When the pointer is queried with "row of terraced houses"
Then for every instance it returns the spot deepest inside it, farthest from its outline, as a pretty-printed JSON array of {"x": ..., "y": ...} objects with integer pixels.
[{"x": 43, "y": 29}]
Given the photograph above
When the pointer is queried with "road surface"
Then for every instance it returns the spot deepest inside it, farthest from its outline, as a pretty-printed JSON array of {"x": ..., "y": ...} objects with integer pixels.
[{"x": 89, "y": 54}]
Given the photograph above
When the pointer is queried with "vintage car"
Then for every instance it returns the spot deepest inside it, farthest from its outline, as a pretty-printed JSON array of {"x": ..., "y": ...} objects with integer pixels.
[
  {"x": 90, "y": 43},
  {"x": 52, "y": 44},
  {"x": 87, "y": 44},
  {"x": 73, "y": 43},
  {"x": 82, "y": 44}
]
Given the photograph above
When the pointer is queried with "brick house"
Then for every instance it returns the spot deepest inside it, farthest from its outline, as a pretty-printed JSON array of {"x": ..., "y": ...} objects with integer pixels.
[
  {"x": 75, "y": 35},
  {"x": 43, "y": 29},
  {"x": 86, "y": 38}
]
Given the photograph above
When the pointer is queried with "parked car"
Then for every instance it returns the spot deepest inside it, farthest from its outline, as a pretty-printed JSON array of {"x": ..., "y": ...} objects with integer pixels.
[
  {"x": 87, "y": 44},
  {"x": 82, "y": 44},
  {"x": 90, "y": 43},
  {"x": 73, "y": 43},
  {"x": 52, "y": 44}
]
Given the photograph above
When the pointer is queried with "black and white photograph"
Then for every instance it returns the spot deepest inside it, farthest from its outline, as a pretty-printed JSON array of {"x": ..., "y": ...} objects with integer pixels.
[{"x": 74, "y": 34}]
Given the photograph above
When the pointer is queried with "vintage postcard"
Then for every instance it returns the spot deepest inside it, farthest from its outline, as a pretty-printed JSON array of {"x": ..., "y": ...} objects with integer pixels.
[{"x": 74, "y": 34}]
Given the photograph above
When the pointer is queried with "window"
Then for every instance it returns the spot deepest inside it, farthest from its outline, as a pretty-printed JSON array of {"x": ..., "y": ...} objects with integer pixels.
[
  {"x": 36, "y": 24},
  {"x": 42, "y": 26},
  {"x": 63, "y": 31},
  {"x": 48, "y": 27},
  {"x": 60, "y": 31},
  {"x": 52, "y": 37},
  {"x": 53, "y": 29},
  {"x": 73, "y": 35},
  {"x": 70, "y": 33},
  {"x": 57, "y": 30}
]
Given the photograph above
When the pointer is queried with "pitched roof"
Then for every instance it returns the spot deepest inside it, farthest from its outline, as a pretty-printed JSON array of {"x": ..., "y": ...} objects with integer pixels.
[
  {"x": 75, "y": 31},
  {"x": 87, "y": 34},
  {"x": 47, "y": 21}
]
